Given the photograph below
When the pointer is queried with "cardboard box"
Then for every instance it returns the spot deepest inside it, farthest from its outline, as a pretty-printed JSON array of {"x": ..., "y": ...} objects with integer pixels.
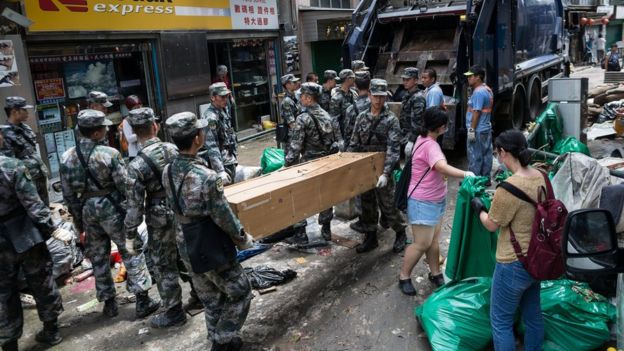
[{"x": 274, "y": 201}]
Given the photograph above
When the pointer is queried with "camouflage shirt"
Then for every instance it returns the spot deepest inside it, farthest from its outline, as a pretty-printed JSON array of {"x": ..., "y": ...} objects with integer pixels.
[
  {"x": 143, "y": 181},
  {"x": 412, "y": 109},
  {"x": 20, "y": 142},
  {"x": 306, "y": 139},
  {"x": 289, "y": 108},
  {"x": 18, "y": 190},
  {"x": 210, "y": 152},
  {"x": 325, "y": 99},
  {"x": 340, "y": 102},
  {"x": 385, "y": 136},
  {"x": 220, "y": 124},
  {"x": 106, "y": 165},
  {"x": 200, "y": 194},
  {"x": 362, "y": 103}
]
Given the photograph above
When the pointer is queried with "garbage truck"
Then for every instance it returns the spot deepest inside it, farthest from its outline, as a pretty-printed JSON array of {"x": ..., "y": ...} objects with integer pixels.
[{"x": 519, "y": 43}]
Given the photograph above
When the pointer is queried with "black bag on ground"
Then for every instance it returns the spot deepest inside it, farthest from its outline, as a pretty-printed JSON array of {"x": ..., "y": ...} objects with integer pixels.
[
  {"x": 262, "y": 277},
  {"x": 402, "y": 186}
]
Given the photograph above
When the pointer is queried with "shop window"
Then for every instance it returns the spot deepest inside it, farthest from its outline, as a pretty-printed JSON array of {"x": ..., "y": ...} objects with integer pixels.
[{"x": 336, "y": 4}]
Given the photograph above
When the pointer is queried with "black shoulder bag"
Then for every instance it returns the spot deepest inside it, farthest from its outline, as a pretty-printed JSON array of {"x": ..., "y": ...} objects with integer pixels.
[
  {"x": 402, "y": 186},
  {"x": 209, "y": 247}
]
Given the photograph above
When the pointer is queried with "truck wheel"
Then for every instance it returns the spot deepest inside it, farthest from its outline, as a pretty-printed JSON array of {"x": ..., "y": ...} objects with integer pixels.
[
  {"x": 535, "y": 97},
  {"x": 518, "y": 107}
]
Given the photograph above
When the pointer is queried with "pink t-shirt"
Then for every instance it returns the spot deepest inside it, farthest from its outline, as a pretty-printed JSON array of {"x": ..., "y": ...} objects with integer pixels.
[{"x": 433, "y": 186}]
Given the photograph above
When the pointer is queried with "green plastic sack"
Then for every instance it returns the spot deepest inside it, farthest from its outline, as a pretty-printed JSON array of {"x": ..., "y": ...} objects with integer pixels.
[
  {"x": 575, "y": 317},
  {"x": 570, "y": 144},
  {"x": 396, "y": 175},
  {"x": 272, "y": 159},
  {"x": 457, "y": 315},
  {"x": 472, "y": 250},
  {"x": 551, "y": 130}
]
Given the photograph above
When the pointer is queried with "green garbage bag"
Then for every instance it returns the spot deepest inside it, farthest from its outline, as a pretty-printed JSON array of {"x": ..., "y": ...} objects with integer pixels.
[
  {"x": 396, "y": 175},
  {"x": 272, "y": 159},
  {"x": 472, "y": 250},
  {"x": 457, "y": 315},
  {"x": 575, "y": 317},
  {"x": 570, "y": 144},
  {"x": 551, "y": 128}
]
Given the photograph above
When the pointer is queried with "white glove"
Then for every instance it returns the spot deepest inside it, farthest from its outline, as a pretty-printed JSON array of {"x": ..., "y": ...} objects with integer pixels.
[
  {"x": 130, "y": 247},
  {"x": 225, "y": 178},
  {"x": 408, "y": 148},
  {"x": 247, "y": 244},
  {"x": 469, "y": 174},
  {"x": 383, "y": 181},
  {"x": 62, "y": 235},
  {"x": 472, "y": 136}
]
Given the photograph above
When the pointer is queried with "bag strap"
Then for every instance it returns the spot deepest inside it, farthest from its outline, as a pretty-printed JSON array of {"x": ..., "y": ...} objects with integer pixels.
[
  {"x": 515, "y": 191},
  {"x": 176, "y": 192},
  {"x": 375, "y": 125},
  {"x": 426, "y": 171},
  {"x": 550, "y": 194},
  {"x": 318, "y": 128},
  {"x": 152, "y": 166}
]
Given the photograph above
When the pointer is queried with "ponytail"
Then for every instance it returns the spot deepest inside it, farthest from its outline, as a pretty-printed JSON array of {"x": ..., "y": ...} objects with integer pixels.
[
  {"x": 524, "y": 157},
  {"x": 515, "y": 143}
]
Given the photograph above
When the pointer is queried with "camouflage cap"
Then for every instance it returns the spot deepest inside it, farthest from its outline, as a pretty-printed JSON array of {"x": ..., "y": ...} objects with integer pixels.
[
  {"x": 331, "y": 74},
  {"x": 379, "y": 87},
  {"x": 222, "y": 69},
  {"x": 92, "y": 118},
  {"x": 183, "y": 124},
  {"x": 289, "y": 78},
  {"x": 362, "y": 75},
  {"x": 141, "y": 116},
  {"x": 358, "y": 65},
  {"x": 100, "y": 98},
  {"x": 310, "y": 88},
  {"x": 409, "y": 72},
  {"x": 346, "y": 73},
  {"x": 218, "y": 89},
  {"x": 16, "y": 102}
]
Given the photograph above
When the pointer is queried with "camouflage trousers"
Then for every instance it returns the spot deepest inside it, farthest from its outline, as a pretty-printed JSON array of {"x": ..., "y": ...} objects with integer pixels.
[
  {"x": 226, "y": 296},
  {"x": 161, "y": 257},
  {"x": 103, "y": 225},
  {"x": 36, "y": 265},
  {"x": 384, "y": 198}
]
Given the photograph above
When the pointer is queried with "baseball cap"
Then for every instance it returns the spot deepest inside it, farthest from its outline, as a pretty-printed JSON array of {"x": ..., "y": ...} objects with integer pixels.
[
  {"x": 218, "y": 89},
  {"x": 475, "y": 70},
  {"x": 311, "y": 88},
  {"x": 92, "y": 118},
  {"x": 331, "y": 74},
  {"x": 410, "y": 72},
  {"x": 379, "y": 87},
  {"x": 100, "y": 98},
  {"x": 289, "y": 78},
  {"x": 141, "y": 116},
  {"x": 357, "y": 65},
  {"x": 183, "y": 124},
  {"x": 16, "y": 102},
  {"x": 346, "y": 73}
]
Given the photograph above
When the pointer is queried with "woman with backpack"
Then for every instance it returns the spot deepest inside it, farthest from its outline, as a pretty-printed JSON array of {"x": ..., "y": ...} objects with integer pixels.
[
  {"x": 426, "y": 200},
  {"x": 512, "y": 285}
]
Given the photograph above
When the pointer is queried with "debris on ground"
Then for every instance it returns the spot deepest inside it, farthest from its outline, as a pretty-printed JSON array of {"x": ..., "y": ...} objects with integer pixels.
[{"x": 262, "y": 277}]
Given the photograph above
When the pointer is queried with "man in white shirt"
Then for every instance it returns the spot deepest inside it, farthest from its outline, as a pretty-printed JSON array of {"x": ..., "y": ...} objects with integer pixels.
[{"x": 600, "y": 47}]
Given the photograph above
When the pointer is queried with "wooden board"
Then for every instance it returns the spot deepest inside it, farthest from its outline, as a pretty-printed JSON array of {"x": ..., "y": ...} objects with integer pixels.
[{"x": 274, "y": 201}]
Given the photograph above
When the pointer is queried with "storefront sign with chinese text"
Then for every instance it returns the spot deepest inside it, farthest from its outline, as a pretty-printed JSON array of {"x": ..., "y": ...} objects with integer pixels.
[{"x": 49, "y": 89}]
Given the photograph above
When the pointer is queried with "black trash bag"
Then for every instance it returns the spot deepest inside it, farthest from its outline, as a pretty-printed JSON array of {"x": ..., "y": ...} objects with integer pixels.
[
  {"x": 262, "y": 277},
  {"x": 609, "y": 111}
]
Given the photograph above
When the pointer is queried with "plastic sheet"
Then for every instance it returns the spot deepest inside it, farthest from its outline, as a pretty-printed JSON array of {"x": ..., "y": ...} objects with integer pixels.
[
  {"x": 262, "y": 277},
  {"x": 272, "y": 159},
  {"x": 472, "y": 250},
  {"x": 570, "y": 144},
  {"x": 551, "y": 129},
  {"x": 456, "y": 316}
]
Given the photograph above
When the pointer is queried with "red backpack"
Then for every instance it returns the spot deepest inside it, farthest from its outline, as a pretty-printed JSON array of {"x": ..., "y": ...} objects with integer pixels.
[{"x": 543, "y": 260}]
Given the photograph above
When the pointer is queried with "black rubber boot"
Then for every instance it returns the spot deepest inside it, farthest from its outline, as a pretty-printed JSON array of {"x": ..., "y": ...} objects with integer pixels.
[
  {"x": 399, "y": 241},
  {"x": 369, "y": 243},
  {"x": 10, "y": 346},
  {"x": 357, "y": 226},
  {"x": 172, "y": 317},
  {"x": 50, "y": 334},
  {"x": 110, "y": 308},
  {"x": 145, "y": 305},
  {"x": 326, "y": 232},
  {"x": 234, "y": 345}
]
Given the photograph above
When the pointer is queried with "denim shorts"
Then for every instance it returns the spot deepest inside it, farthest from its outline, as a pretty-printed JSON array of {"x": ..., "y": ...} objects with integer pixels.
[{"x": 425, "y": 212}]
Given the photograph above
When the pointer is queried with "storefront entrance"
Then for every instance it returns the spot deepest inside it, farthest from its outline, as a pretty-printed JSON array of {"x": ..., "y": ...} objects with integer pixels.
[
  {"x": 326, "y": 55},
  {"x": 64, "y": 74}
]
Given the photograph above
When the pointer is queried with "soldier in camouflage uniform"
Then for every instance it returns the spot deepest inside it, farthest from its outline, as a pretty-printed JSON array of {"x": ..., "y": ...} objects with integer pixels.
[
  {"x": 362, "y": 102},
  {"x": 146, "y": 196},
  {"x": 412, "y": 109},
  {"x": 342, "y": 97},
  {"x": 224, "y": 289},
  {"x": 220, "y": 125},
  {"x": 314, "y": 136},
  {"x": 331, "y": 78},
  {"x": 378, "y": 130},
  {"x": 289, "y": 107},
  {"x": 95, "y": 192},
  {"x": 25, "y": 250},
  {"x": 20, "y": 142}
]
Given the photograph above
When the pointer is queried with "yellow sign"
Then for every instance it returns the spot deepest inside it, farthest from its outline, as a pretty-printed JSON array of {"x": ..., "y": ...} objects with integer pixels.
[{"x": 151, "y": 15}]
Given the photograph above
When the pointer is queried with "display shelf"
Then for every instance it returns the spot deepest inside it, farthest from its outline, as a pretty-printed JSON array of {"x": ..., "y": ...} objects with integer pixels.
[{"x": 252, "y": 104}]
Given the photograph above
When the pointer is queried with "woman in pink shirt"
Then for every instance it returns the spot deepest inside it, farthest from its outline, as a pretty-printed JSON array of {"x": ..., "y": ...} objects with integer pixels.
[{"x": 427, "y": 199}]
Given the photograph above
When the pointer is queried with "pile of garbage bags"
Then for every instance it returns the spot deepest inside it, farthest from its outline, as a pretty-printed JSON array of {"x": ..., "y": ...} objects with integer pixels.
[{"x": 456, "y": 316}]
